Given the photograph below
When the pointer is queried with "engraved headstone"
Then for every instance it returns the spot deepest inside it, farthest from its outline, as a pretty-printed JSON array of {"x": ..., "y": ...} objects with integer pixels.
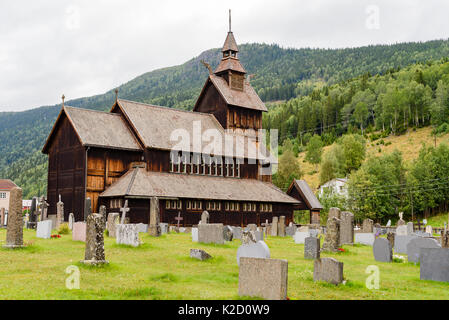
[
  {"x": 2, "y": 217},
  {"x": 312, "y": 248},
  {"x": 332, "y": 238},
  {"x": 87, "y": 208},
  {"x": 195, "y": 234},
  {"x": 154, "y": 229},
  {"x": 400, "y": 243},
  {"x": 328, "y": 270},
  {"x": 401, "y": 230},
  {"x": 94, "y": 253},
  {"x": 59, "y": 213},
  {"x": 300, "y": 237},
  {"x": 79, "y": 231},
  {"x": 227, "y": 233},
  {"x": 253, "y": 250},
  {"x": 274, "y": 227},
  {"x": 410, "y": 228},
  {"x": 71, "y": 220},
  {"x": 334, "y": 213},
  {"x": 236, "y": 232},
  {"x": 367, "y": 226},
  {"x": 113, "y": 221},
  {"x": 210, "y": 233},
  {"x": 273, "y": 273},
  {"x": 434, "y": 263},
  {"x": 205, "y": 217},
  {"x": 127, "y": 234},
  {"x": 281, "y": 226},
  {"x": 365, "y": 238},
  {"x": 103, "y": 213},
  {"x": 347, "y": 228},
  {"x": 14, "y": 231},
  {"x": 164, "y": 227}
]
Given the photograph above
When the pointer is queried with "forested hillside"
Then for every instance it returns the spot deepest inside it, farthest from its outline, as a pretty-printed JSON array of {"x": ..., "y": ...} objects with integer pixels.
[{"x": 280, "y": 74}]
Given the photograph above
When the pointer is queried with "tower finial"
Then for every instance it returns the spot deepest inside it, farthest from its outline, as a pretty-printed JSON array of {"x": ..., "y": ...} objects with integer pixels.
[
  {"x": 63, "y": 97},
  {"x": 230, "y": 20},
  {"x": 116, "y": 94}
]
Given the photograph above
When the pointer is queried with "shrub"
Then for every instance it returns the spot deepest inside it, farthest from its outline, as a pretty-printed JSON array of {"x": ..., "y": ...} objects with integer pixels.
[{"x": 64, "y": 229}]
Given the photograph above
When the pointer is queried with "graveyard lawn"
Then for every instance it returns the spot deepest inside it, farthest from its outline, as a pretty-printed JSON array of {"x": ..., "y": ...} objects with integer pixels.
[{"x": 162, "y": 269}]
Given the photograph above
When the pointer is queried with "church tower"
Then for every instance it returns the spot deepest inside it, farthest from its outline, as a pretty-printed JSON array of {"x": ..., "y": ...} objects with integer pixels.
[{"x": 228, "y": 95}]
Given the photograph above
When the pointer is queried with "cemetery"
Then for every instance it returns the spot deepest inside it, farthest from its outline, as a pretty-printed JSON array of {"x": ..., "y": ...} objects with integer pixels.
[{"x": 120, "y": 260}]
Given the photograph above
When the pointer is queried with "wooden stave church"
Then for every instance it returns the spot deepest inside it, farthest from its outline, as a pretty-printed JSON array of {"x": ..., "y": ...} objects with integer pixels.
[{"x": 113, "y": 156}]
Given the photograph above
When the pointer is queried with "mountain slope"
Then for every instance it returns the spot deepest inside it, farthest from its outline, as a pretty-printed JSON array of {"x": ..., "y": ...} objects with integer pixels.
[{"x": 280, "y": 74}]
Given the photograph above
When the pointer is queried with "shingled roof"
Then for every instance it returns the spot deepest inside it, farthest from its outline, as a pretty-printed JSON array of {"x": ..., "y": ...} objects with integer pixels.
[
  {"x": 158, "y": 127},
  {"x": 230, "y": 43},
  {"x": 139, "y": 183},
  {"x": 306, "y": 193},
  {"x": 98, "y": 129},
  {"x": 230, "y": 63},
  {"x": 247, "y": 98}
]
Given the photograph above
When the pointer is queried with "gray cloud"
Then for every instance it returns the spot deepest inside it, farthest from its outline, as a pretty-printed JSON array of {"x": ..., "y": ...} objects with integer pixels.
[{"x": 82, "y": 48}]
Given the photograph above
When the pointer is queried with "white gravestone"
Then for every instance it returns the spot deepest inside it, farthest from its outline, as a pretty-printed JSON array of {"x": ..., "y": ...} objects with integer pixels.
[
  {"x": 253, "y": 250},
  {"x": 43, "y": 229},
  {"x": 127, "y": 234},
  {"x": 195, "y": 234}
]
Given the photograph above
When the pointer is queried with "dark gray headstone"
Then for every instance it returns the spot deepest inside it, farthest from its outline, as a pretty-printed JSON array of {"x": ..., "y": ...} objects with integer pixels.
[
  {"x": 414, "y": 245},
  {"x": 329, "y": 270},
  {"x": 382, "y": 250},
  {"x": 87, "y": 208},
  {"x": 237, "y": 232},
  {"x": 199, "y": 254},
  {"x": 227, "y": 233},
  {"x": 312, "y": 248},
  {"x": 290, "y": 230},
  {"x": 434, "y": 264}
]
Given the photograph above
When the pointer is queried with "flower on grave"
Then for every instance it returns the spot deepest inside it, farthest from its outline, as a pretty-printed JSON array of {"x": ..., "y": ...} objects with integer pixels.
[{"x": 341, "y": 249}]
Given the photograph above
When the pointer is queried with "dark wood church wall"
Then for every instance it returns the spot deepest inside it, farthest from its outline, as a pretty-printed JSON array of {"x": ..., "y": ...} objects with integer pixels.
[
  {"x": 213, "y": 103},
  {"x": 66, "y": 174}
]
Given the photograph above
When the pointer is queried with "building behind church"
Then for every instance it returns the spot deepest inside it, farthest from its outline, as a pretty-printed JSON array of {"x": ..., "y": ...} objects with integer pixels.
[{"x": 211, "y": 158}]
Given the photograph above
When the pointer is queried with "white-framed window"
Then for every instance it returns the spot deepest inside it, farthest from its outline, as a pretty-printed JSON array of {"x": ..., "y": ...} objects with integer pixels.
[
  {"x": 189, "y": 205},
  {"x": 2, "y": 195},
  {"x": 227, "y": 206}
]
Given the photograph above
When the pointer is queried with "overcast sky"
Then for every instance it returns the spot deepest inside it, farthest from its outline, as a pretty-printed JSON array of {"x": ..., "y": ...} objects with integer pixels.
[{"x": 83, "y": 48}]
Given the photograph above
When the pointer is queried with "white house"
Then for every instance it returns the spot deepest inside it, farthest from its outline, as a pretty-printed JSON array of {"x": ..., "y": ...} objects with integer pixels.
[
  {"x": 338, "y": 186},
  {"x": 5, "y": 187}
]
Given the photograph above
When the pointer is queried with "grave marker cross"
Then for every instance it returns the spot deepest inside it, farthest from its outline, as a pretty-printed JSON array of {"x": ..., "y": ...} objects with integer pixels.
[
  {"x": 124, "y": 210},
  {"x": 179, "y": 218}
]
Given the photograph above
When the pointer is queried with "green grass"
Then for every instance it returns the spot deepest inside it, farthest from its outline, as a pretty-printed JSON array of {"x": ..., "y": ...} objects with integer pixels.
[
  {"x": 438, "y": 220},
  {"x": 162, "y": 269}
]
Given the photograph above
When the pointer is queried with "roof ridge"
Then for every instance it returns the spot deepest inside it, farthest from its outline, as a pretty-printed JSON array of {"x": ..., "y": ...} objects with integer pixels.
[
  {"x": 97, "y": 111},
  {"x": 167, "y": 108}
]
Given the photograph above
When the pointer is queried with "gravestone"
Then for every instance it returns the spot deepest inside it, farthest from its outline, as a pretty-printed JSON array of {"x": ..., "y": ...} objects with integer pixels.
[
  {"x": 382, "y": 250},
  {"x": 414, "y": 245},
  {"x": 236, "y": 232},
  {"x": 164, "y": 227},
  {"x": 43, "y": 229},
  {"x": 248, "y": 237},
  {"x": 312, "y": 248},
  {"x": 124, "y": 211},
  {"x": 389, "y": 223},
  {"x": 328, "y": 270},
  {"x": 259, "y": 235},
  {"x": 400, "y": 222},
  {"x": 365, "y": 238},
  {"x": 59, "y": 213},
  {"x": 257, "y": 249},
  {"x": 251, "y": 227},
  {"x": 205, "y": 217},
  {"x": 113, "y": 221},
  {"x": 127, "y": 234},
  {"x": 300, "y": 237},
  {"x": 14, "y": 231},
  {"x": 52, "y": 218},
  {"x": 154, "y": 228},
  {"x": 429, "y": 230},
  {"x": 400, "y": 243},
  {"x": 410, "y": 228},
  {"x": 263, "y": 278},
  {"x": 79, "y": 231},
  {"x": 390, "y": 238},
  {"x": 87, "y": 208},
  {"x": 71, "y": 220},
  {"x": 332, "y": 238},
  {"x": 199, "y": 254},
  {"x": 290, "y": 230},
  {"x": 347, "y": 228},
  {"x": 142, "y": 227},
  {"x": 44, "y": 208},
  {"x": 303, "y": 229},
  {"x": 401, "y": 230},
  {"x": 434, "y": 264},
  {"x": 195, "y": 234},
  {"x": 274, "y": 227},
  {"x": 367, "y": 226},
  {"x": 445, "y": 238},
  {"x": 94, "y": 253},
  {"x": 314, "y": 232},
  {"x": 334, "y": 213},
  {"x": 210, "y": 233},
  {"x": 281, "y": 226},
  {"x": 33, "y": 214},
  {"x": 227, "y": 233},
  {"x": 103, "y": 213}
]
